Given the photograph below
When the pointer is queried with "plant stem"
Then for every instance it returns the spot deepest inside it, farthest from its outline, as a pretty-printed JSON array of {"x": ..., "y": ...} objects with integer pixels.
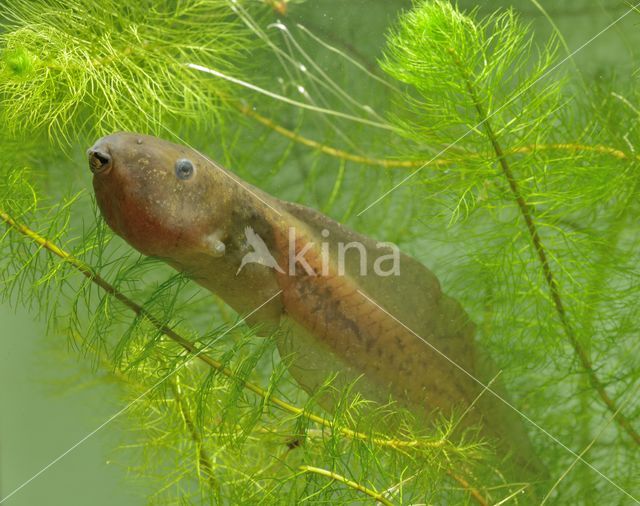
[
  {"x": 527, "y": 214},
  {"x": 328, "y": 150},
  {"x": 389, "y": 163},
  {"x": 338, "y": 477},
  {"x": 467, "y": 486},
  {"x": 203, "y": 456}
]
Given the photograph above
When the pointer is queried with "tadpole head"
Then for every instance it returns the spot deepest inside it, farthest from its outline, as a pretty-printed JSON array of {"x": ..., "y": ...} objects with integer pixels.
[{"x": 161, "y": 197}]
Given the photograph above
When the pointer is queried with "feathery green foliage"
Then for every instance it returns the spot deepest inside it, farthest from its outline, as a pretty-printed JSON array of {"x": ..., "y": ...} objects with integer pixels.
[
  {"x": 530, "y": 220},
  {"x": 83, "y": 67},
  {"x": 547, "y": 231}
]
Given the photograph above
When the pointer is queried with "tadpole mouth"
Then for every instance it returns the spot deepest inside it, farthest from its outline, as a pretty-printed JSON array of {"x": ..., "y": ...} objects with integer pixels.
[{"x": 100, "y": 160}]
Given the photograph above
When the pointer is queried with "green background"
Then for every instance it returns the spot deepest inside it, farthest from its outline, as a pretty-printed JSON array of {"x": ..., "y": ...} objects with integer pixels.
[{"x": 41, "y": 416}]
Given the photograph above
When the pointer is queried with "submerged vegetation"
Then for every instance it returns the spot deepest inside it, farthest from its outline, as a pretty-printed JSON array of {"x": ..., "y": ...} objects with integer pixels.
[
  {"x": 488, "y": 156},
  {"x": 81, "y": 67}
]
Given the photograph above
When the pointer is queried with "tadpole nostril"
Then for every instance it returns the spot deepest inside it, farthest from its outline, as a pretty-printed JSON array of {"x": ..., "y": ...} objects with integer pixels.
[{"x": 99, "y": 160}]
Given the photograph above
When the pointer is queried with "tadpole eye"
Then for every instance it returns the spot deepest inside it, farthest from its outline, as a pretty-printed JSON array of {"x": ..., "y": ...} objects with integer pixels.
[{"x": 184, "y": 169}]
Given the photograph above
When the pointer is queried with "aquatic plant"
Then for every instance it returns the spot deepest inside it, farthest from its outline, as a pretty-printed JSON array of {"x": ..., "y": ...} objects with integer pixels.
[
  {"x": 84, "y": 67},
  {"x": 479, "y": 151}
]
